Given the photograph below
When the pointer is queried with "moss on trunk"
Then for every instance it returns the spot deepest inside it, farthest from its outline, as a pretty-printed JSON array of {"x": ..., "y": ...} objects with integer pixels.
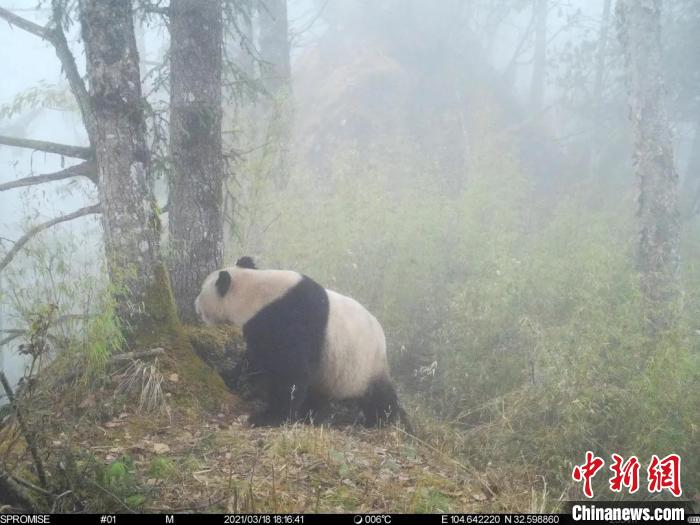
[{"x": 199, "y": 383}]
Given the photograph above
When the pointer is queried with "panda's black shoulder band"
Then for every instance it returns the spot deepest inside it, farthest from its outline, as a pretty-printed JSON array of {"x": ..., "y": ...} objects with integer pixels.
[
  {"x": 223, "y": 283},
  {"x": 246, "y": 262}
]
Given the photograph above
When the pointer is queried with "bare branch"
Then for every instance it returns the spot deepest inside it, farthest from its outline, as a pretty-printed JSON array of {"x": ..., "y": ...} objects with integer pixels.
[
  {"x": 86, "y": 169},
  {"x": 88, "y": 210},
  {"x": 64, "y": 54},
  {"x": 127, "y": 356},
  {"x": 28, "y": 436},
  {"x": 25, "y": 24},
  {"x": 53, "y": 33},
  {"x": 14, "y": 334},
  {"x": 78, "y": 152}
]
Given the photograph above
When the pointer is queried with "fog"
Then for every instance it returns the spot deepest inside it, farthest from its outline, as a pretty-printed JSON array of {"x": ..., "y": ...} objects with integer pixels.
[{"x": 471, "y": 172}]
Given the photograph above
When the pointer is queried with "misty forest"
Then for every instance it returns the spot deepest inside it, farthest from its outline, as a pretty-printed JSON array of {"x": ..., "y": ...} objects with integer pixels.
[{"x": 511, "y": 187}]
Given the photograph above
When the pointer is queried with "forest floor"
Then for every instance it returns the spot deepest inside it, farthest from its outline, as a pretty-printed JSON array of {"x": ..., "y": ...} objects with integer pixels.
[
  {"x": 219, "y": 464},
  {"x": 103, "y": 452},
  {"x": 188, "y": 461}
]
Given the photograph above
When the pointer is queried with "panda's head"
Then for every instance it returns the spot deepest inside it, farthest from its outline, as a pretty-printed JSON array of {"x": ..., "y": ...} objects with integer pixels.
[
  {"x": 213, "y": 304},
  {"x": 235, "y": 294}
]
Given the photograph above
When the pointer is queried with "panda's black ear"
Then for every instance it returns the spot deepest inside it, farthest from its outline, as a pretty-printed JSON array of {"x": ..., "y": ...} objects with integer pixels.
[
  {"x": 223, "y": 283},
  {"x": 246, "y": 262}
]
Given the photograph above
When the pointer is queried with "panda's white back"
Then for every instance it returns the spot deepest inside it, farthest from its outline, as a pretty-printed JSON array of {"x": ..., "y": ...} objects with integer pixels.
[{"x": 355, "y": 349}]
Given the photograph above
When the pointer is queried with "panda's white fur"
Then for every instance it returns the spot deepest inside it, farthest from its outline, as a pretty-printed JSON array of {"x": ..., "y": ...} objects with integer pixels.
[
  {"x": 251, "y": 290},
  {"x": 356, "y": 349},
  {"x": 349, "y": 361},
  {"x": 355, "y": 345}
]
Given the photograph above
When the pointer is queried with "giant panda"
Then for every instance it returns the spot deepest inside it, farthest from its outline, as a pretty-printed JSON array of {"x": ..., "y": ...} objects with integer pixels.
[{"x": 310, "y": 345}]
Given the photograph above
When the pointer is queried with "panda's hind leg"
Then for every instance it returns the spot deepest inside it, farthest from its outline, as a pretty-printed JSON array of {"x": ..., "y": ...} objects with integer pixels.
[
  {"x": 316, "y": 408},
  {"x": 380, "y": 404}
]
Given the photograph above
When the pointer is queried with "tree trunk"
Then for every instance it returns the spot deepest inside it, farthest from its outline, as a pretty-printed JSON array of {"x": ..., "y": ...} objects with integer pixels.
[
  {"x": 195, "y": 215},
  {"x": 276, "y": 79},
  {"x": 691, "y": 181},
  {"x": 592, "y": 158},
  {"x": 539, "y": 66},
  {"x": 639, "y": 25},
  {"x": 129, "y": 214},
  {"x": 274, "y": 46}
]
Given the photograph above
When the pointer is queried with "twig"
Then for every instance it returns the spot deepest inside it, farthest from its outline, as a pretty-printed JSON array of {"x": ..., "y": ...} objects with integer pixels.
[
  {"x": 136, "y": 355},
  {"x": 88, "y": 210},
  {"x": 25, "y": 24},
  {"x": 12, "y": 493},
  {"x": 29, "y": 485},
  {"x": 119, "y": 358},
  {"x": 471, "y": 470},
  {"x": 113, "y": 496},
  {"x": 29, "y": 438},
  {"x": 86, "y": 169},
  {"x": 79, "y": 152},
  {"x": 53, "y": 33}
]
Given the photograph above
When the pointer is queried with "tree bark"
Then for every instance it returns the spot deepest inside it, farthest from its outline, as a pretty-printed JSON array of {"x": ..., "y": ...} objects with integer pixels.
[
  {"x": 691, "y": 182},
  {"x": 592, "y": 158},
  {"x": 129, "y": 213},
  {"x": 276, "y": 79},
  {"x": 539, "y": 66},
  {"x": 639, "y": 25},
  {"x": 274, "y": 45},
  {"x": 195, "y": 216}
]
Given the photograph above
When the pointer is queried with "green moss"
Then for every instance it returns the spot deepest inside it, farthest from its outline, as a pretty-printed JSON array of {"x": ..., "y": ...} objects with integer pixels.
[
  {"x": 198, "y": 383},
  {"x": 220, "y": 346},
  {"x": 161, "y": 468}
]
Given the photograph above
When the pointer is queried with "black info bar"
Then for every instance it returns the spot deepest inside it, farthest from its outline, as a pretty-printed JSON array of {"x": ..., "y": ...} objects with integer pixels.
[
  {"x": 281, "y": 519},
  {"x": 686, "y": 515}
]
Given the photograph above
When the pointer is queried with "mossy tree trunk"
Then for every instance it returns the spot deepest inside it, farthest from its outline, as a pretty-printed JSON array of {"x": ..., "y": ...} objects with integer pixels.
[
  {"x": 658, "y": 258},
  {"x": 195, "y": 216},
  {"x": 129, "y": 213}
]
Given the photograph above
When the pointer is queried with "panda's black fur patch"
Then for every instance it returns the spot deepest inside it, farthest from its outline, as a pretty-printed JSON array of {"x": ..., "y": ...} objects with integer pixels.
[
  {"x": 284, "y": 343},
  {"x": 223, "y": 283},
  {"x": 246, "y": 262}
]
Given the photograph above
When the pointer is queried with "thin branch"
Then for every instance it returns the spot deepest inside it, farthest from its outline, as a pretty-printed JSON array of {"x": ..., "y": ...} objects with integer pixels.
[
  {"x": 86, "y": 169},
  {"x": 88, "y": 210},
  {"x": 25, "y": 24},
  {"x": 53, "y": 33},
  {"x": 28, "y": 437},
  {"x": 126, "y": 356},
  {"x": 29, "y": 485},
  {"x": 77, "y": 86},
  {"x": 14, "y": 334},
  {"x": 13, "y": 494},
  {"x": 157, "y": 10},
  {"x": 78, "y": 152}
]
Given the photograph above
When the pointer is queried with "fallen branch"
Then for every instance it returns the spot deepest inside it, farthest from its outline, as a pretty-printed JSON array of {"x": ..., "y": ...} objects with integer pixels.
[
  {"x": 136, "y": 355},
  {"x": 13, "y": 495},
  {"x": 29, "y": 485},
  {"x": 86, "y": 169},
  {"x": 88, "y": 210},
  {"x": 28, "y": 437},
  {"x": 79, "y": 152}
]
